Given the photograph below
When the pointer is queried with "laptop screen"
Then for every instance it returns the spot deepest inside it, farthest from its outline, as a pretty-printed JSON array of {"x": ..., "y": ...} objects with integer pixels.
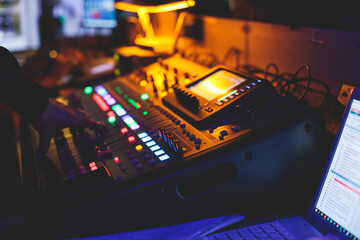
[{"x": 339, "y": 199}]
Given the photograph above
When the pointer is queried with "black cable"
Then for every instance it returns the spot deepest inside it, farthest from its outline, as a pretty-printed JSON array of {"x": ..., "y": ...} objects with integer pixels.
[
  {"x": 228, "y": 54},
  {"x": 292, "y": 81},
  {"x": 267, "y": 70}
]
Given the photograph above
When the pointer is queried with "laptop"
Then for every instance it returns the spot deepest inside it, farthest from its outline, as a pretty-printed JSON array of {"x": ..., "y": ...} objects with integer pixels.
[{"x": 335, "y": 211}]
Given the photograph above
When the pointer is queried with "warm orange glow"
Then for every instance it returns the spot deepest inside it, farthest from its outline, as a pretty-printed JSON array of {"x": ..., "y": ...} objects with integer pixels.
[{"x": 154, "y": 9}]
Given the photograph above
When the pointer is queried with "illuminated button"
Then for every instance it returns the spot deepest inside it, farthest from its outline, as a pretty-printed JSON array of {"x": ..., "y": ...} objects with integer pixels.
[
  {"x": 111, "y": 101},
  {"x": 106, "y": 97},
  {"x": 131, "y": 139},
  {"x": 88, "y": 90},
  {"x": 143, "y": 134},
  {"x": 151, "y": 143},
  {"x": 159, "y": 152},
  {"x": 116, "y": 159},
  {"x": 110, "y": 114},
  {"x": 154, "y": 148},
  {"x": 138, "y": 148},
  {"x": 248, "y": 87},
  {"x": 242, "y": 90},
  {"x": 100, "y": 102},
  {"x": 254, "y": 84},
  {"x": 219, "y": 103},
  {"x": 130, "y": 122},
  {"x": 101, "y": 90},
  {"x": 164, "y": 157},
  {"x": 124, "y": 130},
  {"x": 237, "y": 93},
  {"x": 225, "y": 100},
  {"x": 112, "y": 119},
  {"x": 146, "y": 139},
  {"x": 144, "y": 96},
  {"x": 231, "y": 97},
  {"x": 120, "y": 111},
  {"x": 259, "y": 81},
  {"x": 143, "y": 83},
  {"x": 145, "y": 113}
]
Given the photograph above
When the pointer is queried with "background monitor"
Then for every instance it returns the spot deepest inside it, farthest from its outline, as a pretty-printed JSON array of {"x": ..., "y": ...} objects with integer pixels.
[
  {"x": 19, "y": 28},
  {"x": 99, "y": 14}
]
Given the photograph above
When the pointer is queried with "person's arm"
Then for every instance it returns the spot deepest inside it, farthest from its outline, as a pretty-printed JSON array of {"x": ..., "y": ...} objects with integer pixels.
[
  {"x": 32, "y": 101},
  {"x": 19, "y": 93}
]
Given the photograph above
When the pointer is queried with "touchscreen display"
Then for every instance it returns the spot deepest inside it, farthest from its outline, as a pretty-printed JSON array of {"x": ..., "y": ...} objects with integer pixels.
[{"x": 216, "y": 84}]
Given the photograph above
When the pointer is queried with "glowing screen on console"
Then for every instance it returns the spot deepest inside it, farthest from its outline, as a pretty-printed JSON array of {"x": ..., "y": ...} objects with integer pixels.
[{"x": 216, "y": 84}]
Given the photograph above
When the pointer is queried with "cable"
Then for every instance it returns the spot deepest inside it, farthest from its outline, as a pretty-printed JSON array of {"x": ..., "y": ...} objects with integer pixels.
[
  {"x": 237, "y": 56},
  {"x": 293, "y": 81}
]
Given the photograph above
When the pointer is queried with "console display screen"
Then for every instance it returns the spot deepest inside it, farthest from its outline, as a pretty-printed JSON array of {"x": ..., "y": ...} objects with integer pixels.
[{"x": 216, "y": 84}]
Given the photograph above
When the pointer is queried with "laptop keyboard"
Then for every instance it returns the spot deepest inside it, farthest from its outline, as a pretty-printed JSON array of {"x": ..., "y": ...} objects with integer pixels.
[{"x": 270, "y": 230}]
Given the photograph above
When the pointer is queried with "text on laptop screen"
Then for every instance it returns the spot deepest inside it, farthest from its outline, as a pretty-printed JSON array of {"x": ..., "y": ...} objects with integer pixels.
[{"x": 339, "y": 199}]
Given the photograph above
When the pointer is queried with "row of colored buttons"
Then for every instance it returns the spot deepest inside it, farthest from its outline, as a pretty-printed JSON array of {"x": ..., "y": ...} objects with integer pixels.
[
  {"x": 156, "y": 149},
  {"x": 235, "y": 93}
]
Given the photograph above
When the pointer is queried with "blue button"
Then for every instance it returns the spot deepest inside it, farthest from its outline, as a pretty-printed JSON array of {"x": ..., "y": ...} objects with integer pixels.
[
  {"x": 139, "y": 166},
  {"x": 135, "y": 161},
  {"x": 146, "y": 139},
  {"x": 157, "y": 153},
  {"x": 164, "y": 157},
  {"x": 152, "y": 143},
  {"x": 235, "y": 128},
  {"x": 224, "y": 133},
  {"x": 143, "y": 134},
  {"x": 151, "y": 161},
  {"x": 154, "y": 148}
]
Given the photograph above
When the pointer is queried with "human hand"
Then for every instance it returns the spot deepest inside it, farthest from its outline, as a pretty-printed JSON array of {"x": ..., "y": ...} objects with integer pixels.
[{"x": 58, "y": 116}]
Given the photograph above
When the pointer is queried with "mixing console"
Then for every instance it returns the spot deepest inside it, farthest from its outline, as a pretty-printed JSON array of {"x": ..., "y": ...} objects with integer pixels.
[{"x": 208, "y": 133}]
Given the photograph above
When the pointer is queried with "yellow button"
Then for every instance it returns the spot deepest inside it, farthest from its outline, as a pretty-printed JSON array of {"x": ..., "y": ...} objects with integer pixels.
[{"x": 139, "y": 148}]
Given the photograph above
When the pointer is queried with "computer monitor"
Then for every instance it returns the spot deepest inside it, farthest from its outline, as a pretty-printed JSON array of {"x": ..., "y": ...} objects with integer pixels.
[
  {"x": 99, "y": 14},
  {"x": 19, "y": 28}
]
